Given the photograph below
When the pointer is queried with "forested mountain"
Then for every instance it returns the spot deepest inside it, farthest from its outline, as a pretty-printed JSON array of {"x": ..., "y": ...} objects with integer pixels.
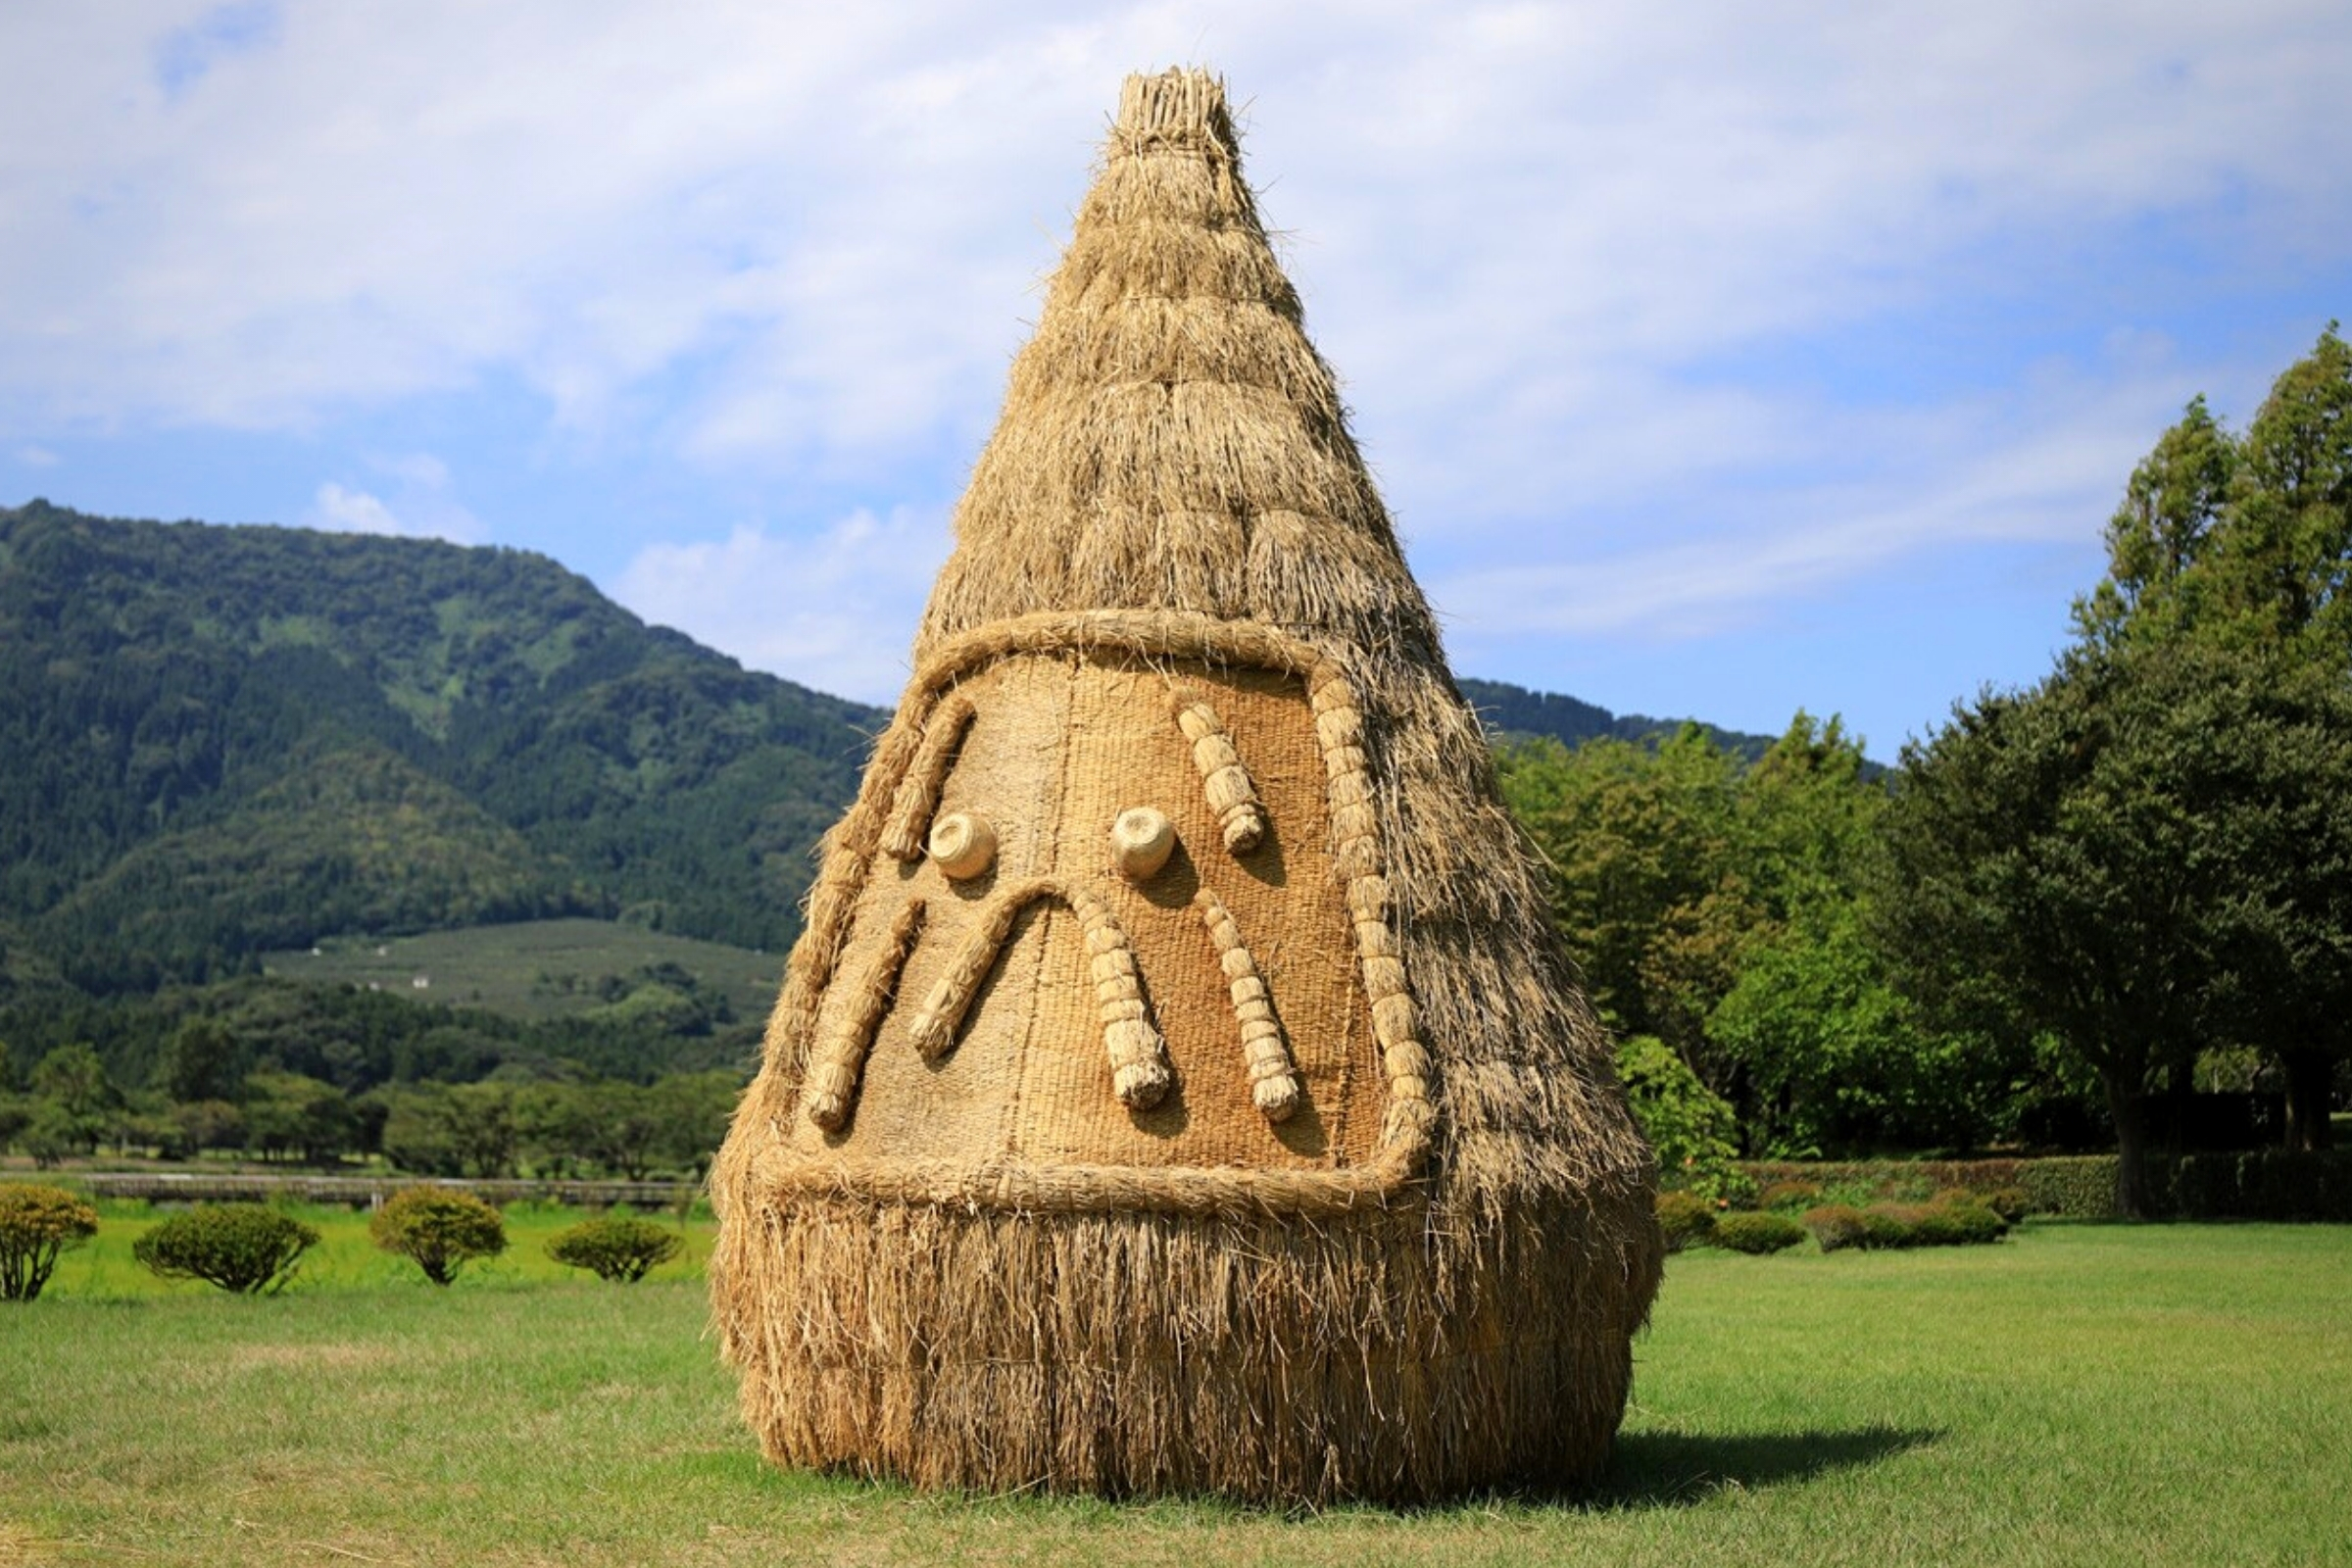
[
  {"x": 215, "y": 741},
  {"x": 1514, "y": 710}
]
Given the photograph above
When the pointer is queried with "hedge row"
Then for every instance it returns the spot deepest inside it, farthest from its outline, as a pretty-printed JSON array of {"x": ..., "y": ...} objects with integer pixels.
[{"x": 2269, "y": 1184}]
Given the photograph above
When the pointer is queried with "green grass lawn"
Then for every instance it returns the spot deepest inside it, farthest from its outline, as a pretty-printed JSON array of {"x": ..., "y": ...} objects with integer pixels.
[{"x": 2079, "y": 1393}]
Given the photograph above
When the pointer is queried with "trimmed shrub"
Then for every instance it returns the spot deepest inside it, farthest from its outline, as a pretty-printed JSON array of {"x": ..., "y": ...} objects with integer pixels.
[
  {"x": 1685, "y": 1219},
  {"x": 1958, "y": 1224},
  {"x": 1835, "y": 1226},
  {"x": 2272, "y": 1184},
  {"x": 2275, "y": 1184},
  {"x": 1887, "y": 1227},
  {"x": 1757, "y": 1233},
  {"x": 1902, "y": 1181},
  {"x": 2073, "y": 1186},
  {"x": 244, "y": 1248},
  {"x": 2010, "y": 1202},
  {"x": 36, "y": 1224},
  {"x": 618, "y": 1248},
  {"x": 439, "y": 1229},
  {"x": 1789, "y": 1198}
]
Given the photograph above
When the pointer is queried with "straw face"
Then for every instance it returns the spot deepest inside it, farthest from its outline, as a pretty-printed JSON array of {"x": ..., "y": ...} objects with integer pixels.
[
  {"x": 1069, "y": 1004},
  {"x": 1179, "y": 1084}
]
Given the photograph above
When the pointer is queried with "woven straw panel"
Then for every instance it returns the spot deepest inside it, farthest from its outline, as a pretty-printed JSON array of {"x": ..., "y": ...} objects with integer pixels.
[{"x": 1057, "y": 746}]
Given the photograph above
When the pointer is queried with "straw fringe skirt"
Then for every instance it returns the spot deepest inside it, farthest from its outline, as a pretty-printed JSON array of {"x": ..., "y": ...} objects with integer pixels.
[{"x": 1286, "y": 1360}]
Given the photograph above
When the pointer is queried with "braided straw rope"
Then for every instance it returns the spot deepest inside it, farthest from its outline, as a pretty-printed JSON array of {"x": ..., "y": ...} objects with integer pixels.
[
  {"x": 1273, "y": 1076},
  {"x": 840, "y": 1058},
  {"x": 918, "y": 792},
  {"x": 1231, "y": 794},
  {"x": 1139, "y": 1060},
  {"x": 1378, "y": 1184}
]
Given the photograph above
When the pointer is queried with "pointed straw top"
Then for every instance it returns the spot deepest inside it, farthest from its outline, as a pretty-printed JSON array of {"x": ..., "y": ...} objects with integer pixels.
[{"x": 1171, "y": 439}]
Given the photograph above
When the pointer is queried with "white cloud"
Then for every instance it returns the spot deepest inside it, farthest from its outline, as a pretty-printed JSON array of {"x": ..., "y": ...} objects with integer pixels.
[
  {"x": 2039, "y": 469},
  {"x": 341, "y": 510},
  {"x": 1578, "y": 263},
  {"x": 422, "y": 508},
  {"x": 835, "y": 612},
  {"x": 32, "y": 457}
]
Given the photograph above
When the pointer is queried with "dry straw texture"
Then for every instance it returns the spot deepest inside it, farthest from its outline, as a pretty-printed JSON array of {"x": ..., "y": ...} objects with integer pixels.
[{"x": 1291, "y": 1166}]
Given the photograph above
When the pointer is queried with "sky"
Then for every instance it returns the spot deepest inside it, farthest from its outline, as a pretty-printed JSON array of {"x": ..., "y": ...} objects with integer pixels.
[{"x": 1721, "y": 359}]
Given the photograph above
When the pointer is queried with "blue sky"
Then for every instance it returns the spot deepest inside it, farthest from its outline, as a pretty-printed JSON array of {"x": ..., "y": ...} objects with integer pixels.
[{"x": 1717, "y": 358}]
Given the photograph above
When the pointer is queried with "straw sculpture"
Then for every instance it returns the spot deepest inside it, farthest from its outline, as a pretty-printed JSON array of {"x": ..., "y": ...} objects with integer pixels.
[{"x": 1179, "y": 1085}]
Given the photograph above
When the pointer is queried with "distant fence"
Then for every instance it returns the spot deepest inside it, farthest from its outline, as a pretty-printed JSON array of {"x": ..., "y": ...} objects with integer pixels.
[{"x": 367, "y": 1191}]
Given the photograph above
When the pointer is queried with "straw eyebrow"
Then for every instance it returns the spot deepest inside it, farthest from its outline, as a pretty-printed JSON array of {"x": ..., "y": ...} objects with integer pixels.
[
  {"x": 1231, "y": 793},
  {"x": 917, "y": 796},
  {"x": 840, "y": 1057},
  {"x": 1139, "y": 1058}
]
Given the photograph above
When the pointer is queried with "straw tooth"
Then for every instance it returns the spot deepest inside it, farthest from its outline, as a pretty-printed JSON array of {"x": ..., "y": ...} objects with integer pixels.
[{"x": 1173, "y": 479}]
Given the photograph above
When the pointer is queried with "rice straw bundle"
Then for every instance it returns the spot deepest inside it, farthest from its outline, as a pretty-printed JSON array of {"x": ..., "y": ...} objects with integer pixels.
[{"x": 1179, "y": 1085}]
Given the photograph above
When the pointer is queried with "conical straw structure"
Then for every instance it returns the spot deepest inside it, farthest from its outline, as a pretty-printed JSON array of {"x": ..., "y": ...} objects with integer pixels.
[{"x": 1382, "y": 1224}]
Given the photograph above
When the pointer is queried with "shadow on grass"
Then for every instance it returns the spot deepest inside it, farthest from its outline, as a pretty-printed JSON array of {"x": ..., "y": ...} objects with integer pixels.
[
  {"x": 1649, "y": 1470},
  {"x": 1674, "y": 1469}
]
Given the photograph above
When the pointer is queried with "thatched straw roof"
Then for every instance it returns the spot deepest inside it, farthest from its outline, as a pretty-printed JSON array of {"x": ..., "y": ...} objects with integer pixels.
[{"x": 1265, "y": 1145}]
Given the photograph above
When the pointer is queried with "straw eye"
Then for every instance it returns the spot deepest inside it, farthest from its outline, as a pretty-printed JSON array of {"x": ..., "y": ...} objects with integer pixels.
[
  {"x": 964, "y": 845},
  {"x": 1142, "y": 838}
]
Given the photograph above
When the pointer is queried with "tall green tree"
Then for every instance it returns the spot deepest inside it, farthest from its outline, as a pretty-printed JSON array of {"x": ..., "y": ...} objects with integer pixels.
[
  {"x": 2243, "y": 545},
  {"x": 2118, "y": 855}
]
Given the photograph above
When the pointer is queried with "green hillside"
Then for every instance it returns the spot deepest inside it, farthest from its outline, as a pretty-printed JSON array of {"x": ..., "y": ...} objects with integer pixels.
[{"x": 219, "y": 741}]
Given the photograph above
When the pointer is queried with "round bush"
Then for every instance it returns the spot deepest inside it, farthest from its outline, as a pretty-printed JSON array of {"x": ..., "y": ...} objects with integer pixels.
[
  {"x": 239, "y": 1247},
  {"x": 618, "y": 1248},
  {"x": 1685, "y": 1219},
  {"x": 36, "y": 1223},
  {"x": 1835, "y": 1226},
  {"x": 1757, "y": 1233},
  {"x": 1958, "y": 1225},
  {"x": 438, "y": 1228},
  {"x": 1887, "y": 1227},
  {"x": 2010, "y": 1202}
]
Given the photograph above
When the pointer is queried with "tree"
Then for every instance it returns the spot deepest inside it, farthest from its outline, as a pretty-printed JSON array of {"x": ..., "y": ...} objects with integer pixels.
[
  {"x": 36, "y": 1224},
  {"x": 1716, "y": 906},
  {"x": 1649, "y": 896},
  {"x": 76, "y": 1080},
  {"x": 694, "y": 1109},
  {"x": 439, "y": 1229},
  {"x": 289, "y": 1114},
  {"x": 1691, "y": 1128},
  {"x": 2244, "y": 546},
  {"x": 626, "y": 1128},
  {"x": 451, "y": 1130},
  {"x": 201, "y": 1062},
  {"x": 2117, "y": 855}
]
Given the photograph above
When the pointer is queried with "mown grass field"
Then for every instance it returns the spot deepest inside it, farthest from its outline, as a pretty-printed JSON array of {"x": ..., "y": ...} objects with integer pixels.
[
  {"x": 2077, "y": 1395},
  {"x": 532, "y": 969}
]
